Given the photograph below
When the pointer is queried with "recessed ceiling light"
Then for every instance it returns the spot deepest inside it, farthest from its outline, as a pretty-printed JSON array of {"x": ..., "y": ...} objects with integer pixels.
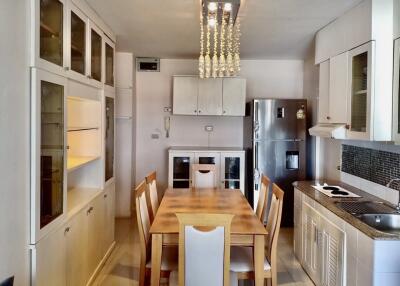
[
  {"x": 228, "y": 7},
  {"x": 212, "y": 6}
]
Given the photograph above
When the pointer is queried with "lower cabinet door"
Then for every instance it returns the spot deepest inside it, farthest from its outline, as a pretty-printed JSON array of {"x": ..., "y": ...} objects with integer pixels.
[
  {"x": 108, "y": 217},
  {"x": 75, "y": 234},
  {"x": 332, "y": 252},
  {"x": 48, "y": 260}
]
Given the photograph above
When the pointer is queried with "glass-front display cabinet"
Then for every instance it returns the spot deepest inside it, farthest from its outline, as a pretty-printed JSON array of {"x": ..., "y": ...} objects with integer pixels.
[
  {"x": 109, "y": 62},
  {"x": 109, "y": 138},
  {"x": 96, "y": 53},
  {"x": 49, "y": 34},
  {"x": 48, "y": 188},
  {"x": 180, "y": 169},
  {"x": 360, "y": 92},
  {"x": 232, "y": 170},
  {"x": 78, "y": 37}
]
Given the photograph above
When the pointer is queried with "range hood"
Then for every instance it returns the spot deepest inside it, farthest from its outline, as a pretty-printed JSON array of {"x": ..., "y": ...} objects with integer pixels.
[{"x": 335, "y": 131}]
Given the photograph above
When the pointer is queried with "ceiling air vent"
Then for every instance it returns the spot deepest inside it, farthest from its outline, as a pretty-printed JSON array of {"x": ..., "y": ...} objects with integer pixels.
[{"x": 148, "y": 64}]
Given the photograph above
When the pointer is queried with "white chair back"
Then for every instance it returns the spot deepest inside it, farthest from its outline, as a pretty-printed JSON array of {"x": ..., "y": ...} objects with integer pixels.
[
  {"x": 204, "y": 249},
  {"x": 203, "y": 176}
]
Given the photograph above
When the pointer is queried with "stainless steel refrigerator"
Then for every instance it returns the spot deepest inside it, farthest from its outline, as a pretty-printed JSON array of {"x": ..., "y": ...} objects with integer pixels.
[{"x": 275, "y": 141}]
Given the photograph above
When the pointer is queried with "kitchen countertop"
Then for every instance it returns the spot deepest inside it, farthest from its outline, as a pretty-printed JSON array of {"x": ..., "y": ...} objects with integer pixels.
[
  {"x": 329, "y": 203},
  {"x": 207, "y": 149}
]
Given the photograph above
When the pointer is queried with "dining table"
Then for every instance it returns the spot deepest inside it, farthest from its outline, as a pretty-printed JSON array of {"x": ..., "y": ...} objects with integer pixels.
[{"x": 246, "y": 228}]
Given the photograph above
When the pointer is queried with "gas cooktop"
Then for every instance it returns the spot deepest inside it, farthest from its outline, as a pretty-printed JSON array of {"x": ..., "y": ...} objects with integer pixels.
[{"x": 335, "y": 191}]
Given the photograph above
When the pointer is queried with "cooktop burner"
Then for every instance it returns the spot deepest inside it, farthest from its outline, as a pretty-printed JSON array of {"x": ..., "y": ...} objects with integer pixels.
[{"x": 335, "y": 191}]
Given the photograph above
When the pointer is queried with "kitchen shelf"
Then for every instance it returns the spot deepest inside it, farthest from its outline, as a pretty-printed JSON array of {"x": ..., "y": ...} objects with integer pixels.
[
  {"x": 73, "y": 129},
  {"x": 76, "y": 162}
]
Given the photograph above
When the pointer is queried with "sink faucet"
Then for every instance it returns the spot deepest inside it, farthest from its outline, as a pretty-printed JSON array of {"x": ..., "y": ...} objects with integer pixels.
[{"x": 388, "y": 185}]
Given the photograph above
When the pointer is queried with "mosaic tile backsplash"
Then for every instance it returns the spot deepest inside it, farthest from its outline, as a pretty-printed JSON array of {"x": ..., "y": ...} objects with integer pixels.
[{"x": 372, "y": 165}]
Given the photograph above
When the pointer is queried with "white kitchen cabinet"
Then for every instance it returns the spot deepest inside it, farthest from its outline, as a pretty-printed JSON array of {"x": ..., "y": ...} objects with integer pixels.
[
  {"x": 195, "y": 96},
  {"x": 370, "y": 20},
  {"x": 323, "y": 100},
  {"x": 331, "y": 246},
  {"x": 209, "y": 101},
  {"x": 108, "y": 218},
  {"x": 95, "y": 55},
  {"x": 297, "y": 221},
  {"x": 323, "y": 248},
  {"x": 396, "y": 19},
  {"x": 185, "y": 94},
  {"x": 109, "y": 64},
  {"x": 338, "y": 87},
  {"x": 234, "y": 96},
  {"x": 48, "y": 260},
  {"x": 230, "y": 165},
  {"x": 311, "y": 243},
  {"x": 95, "y": 215},
  {"x": 76, "y": 247}
]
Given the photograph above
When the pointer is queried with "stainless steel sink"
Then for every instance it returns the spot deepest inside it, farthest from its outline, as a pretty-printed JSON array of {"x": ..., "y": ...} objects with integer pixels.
[
  {"x": 383, "y": 222},
  {"x": 378, "y": 215}
]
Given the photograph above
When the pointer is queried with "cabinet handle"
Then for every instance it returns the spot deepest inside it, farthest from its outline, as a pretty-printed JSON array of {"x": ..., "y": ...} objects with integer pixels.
[
  {"x": 199, "y": 111},
  {"x": 195, "y": 111},
  {"x": 89, "y": 210},
  {"x": 328, "y": 117},
  {"x": 347, "y": 126},
  {"x": 105, "y": 196},
  {"x": 224, "y": 112},
  {"x": 67, "y": 229}
]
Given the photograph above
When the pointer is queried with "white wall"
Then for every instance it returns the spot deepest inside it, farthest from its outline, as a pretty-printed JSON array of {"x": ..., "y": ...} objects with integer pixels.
[
  {"x": 265, "y": 79},
  {"x": 14, "y": 142}
]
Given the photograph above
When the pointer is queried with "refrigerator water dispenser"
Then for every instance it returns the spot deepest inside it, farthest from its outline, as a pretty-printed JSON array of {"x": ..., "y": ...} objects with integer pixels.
[{"x": 292, "y": 160}]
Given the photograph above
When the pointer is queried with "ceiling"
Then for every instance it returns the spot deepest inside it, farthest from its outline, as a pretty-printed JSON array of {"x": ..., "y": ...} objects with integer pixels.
[{"x": 271, "y": 29}]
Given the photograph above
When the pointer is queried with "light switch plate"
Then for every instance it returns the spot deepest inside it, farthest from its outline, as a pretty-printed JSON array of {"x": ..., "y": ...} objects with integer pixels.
[
  {"x": 209, "y": 128},
  {"x": 155, "y": 136}
]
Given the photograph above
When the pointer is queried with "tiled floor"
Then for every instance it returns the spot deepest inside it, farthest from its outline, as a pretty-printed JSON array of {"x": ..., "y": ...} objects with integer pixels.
[{"x": 121, "y": 268}]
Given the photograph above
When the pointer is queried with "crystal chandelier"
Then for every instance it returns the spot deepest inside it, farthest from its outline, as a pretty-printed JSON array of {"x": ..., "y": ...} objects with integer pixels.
[{"x": 220, "y": 46}]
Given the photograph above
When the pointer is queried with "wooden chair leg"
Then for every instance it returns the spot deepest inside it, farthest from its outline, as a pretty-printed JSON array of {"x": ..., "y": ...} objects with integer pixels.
[{"x": 142, "y": 273}]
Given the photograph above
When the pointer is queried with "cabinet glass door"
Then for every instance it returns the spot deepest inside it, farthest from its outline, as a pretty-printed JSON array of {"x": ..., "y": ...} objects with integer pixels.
[
  {"x": 109, "y": 172},
  {"x": 231, "y": 172},
  {"x": 109, "y": 65},
  {"x": 51, "y": 31},
  {"x": 396, "y": 92},
  {"x": 360, "y": 88},
  {"x": 78, "y": 43},
  {"x": 96, "y": 47},
  {"x": 51, "y": 152},
  {"x": 181, "y": 172}
]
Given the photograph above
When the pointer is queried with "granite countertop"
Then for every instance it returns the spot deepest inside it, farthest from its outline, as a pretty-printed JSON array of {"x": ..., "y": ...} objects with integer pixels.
[{"x": 329, "y": 203}]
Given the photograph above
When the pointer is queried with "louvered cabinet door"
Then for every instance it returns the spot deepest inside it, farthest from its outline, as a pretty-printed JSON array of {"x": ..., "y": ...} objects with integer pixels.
[{"x": 332, "y": 251}]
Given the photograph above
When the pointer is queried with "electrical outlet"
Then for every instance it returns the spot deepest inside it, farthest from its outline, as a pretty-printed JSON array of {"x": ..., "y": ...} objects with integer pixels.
[{"x": 209, "y": 128}]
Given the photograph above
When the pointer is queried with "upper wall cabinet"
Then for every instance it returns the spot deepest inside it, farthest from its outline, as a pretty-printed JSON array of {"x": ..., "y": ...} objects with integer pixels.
[
  {"x": 371, "y": 20},
  {"x": 221, "y": 96},
  {"x": 396, "y": 19},
  {"x": 396, "y": 92},
  {"x": 66, "y": 41},
  {"x": 48, "y": 35}
]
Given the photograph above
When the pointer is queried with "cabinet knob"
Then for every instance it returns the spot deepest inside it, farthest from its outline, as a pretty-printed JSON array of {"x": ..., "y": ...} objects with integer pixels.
[
  {"x": 347, "y": 126},
  {"x": 89, "y": 210},
  {"x": 67, "y": 229},
  {"x": 195, "y": 111},
  {"x": 328, "y": 117},
  {"x": 105, "y": 196},
  {"x": 199, "y": 111},
  {"x": 224, "y": 112}
]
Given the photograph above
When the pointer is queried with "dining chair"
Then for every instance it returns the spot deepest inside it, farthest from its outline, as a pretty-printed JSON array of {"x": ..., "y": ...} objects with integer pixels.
[
  {"x": 263, "y": 198},
  {"x": 242, "y": 261},
  {"x": 203, "y": 176},
  {"x": 152, "y": 195},
  {"x": 204, "y": 250},
  {"x": 169, "y": 259}
]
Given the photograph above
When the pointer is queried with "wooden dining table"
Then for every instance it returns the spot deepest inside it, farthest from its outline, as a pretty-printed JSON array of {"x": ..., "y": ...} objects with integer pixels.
[{"x": 246, "y": 228}]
